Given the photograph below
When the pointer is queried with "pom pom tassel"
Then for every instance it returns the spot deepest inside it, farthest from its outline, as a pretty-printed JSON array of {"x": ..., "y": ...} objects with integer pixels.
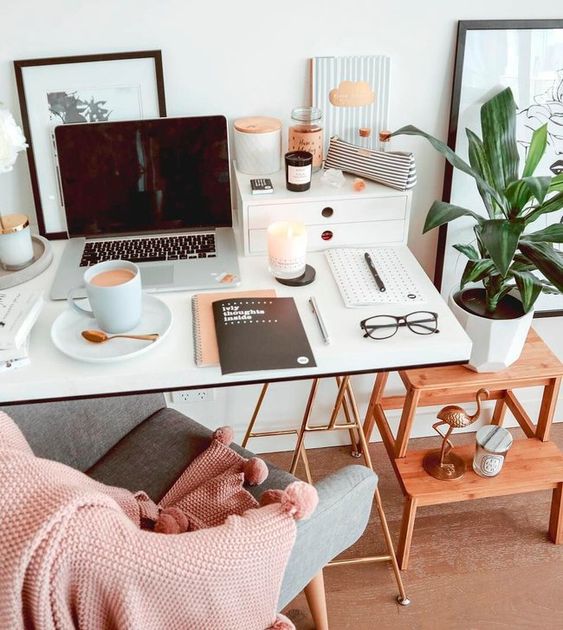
[
  {"x": 299, "y": 499},
  {"x": 223, "y": 435},
  {"x": 255, "y": 471},
  {"x": 172, "y": 521}
]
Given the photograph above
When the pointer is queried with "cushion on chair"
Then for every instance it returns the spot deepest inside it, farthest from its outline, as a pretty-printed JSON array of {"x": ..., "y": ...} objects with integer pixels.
[
  {"x": 157, "y": 451},
  {"x": 78, "y": 433}
]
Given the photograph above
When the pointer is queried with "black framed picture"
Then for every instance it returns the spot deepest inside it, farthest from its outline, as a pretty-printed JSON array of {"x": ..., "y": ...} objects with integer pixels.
[
  {"x": 88, "y": 88},
  {"x": 527, "y": 56}
]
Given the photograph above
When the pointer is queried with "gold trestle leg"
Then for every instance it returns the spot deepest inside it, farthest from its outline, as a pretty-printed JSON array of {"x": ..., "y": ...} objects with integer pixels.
[
  {"x": 346, "y": 401},
  {"x": 402, "y": 597}
]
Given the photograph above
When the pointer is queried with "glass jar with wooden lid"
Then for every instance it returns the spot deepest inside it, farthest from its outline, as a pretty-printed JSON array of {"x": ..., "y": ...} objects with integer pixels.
[
  {"x": 258, "y": 145},
  {"x": 306, "y": 133}
]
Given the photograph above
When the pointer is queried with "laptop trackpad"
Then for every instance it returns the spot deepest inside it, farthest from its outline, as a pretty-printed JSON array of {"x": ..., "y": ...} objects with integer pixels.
[{"x": 157, "y": 275}]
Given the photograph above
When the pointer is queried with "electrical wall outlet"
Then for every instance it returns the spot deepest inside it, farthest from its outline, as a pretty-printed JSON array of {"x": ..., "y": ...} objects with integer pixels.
[{"x": 193, "y": 395}]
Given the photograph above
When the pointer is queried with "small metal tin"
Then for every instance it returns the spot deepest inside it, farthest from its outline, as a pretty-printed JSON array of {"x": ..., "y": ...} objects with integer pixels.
[
  {"x": 10, "y": 223},
  {"x": 493, "y": 442}
]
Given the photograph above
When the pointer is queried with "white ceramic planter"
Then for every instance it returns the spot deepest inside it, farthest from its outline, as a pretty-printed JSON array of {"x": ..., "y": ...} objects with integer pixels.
[{"x": 497, "y": 343}]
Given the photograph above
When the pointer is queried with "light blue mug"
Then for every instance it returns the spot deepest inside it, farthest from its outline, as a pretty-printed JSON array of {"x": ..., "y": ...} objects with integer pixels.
[{"x": 115, "y": 294}]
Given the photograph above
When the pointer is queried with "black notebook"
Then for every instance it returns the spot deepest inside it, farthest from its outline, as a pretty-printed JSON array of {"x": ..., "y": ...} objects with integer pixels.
[{"x": 260, "y": 334}]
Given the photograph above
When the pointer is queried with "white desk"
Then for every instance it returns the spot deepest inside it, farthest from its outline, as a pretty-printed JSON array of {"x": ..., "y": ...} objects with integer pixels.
[{"x": 170, "y": 366}]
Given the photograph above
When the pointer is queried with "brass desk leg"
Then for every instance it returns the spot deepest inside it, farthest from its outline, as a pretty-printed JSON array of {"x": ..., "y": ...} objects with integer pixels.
[
  {"x": 346, "y": 400},
  {"x": 257, "y": 408},
  {"x": 304, "y": 425},
  {"x": 250, "y": 432},
  {"x": 343, "y": 391}
]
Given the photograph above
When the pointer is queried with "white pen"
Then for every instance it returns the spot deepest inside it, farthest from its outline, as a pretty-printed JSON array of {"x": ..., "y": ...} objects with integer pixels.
[{"x": 320, "y": 322}]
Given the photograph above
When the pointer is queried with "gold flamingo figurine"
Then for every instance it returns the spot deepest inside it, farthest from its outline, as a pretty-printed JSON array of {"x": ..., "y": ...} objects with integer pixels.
[{"x": 442, "y": 464}]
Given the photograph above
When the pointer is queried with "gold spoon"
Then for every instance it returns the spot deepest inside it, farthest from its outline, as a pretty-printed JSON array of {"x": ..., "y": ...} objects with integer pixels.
[{"x": 99, "y": 336}]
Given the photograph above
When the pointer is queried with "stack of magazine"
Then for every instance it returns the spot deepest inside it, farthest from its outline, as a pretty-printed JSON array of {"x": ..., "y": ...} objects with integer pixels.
[{"x": 19, "y": 311}]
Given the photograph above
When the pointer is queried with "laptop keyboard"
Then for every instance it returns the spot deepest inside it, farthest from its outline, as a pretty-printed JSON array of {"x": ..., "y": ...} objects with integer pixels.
[{"x": 152, "y": 249}]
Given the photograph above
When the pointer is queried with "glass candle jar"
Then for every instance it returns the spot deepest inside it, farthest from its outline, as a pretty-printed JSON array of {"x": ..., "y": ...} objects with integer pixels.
[
  {"x": 16, "y": 247},
  {"x": 298, "y": 170},
  {"x": 306, "y": 133},
  {"x": 287, "y": 249},
  {"x": 493, "y": 443}
]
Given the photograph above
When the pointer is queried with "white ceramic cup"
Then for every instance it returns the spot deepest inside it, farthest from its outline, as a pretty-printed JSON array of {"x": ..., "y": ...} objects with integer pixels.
[{"x": 116, "y": 308}]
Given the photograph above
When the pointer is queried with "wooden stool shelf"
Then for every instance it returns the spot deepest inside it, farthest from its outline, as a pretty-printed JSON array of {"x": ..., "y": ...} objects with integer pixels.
[{"x": 532, "y": 464}]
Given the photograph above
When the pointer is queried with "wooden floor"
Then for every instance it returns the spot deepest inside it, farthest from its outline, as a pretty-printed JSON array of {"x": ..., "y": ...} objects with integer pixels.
[{"x": 474, "y": 565}]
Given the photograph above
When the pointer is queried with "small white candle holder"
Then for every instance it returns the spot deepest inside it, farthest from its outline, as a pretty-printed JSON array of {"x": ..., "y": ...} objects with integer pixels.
[
  {"x": 287, "y": 253},
  {"x": 16, "y": 246},
  {"x": 493, "y": 443}
]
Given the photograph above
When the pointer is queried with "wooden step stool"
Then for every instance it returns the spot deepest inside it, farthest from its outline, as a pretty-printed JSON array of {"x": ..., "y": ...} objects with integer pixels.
[{"x": 531, "y": 464}]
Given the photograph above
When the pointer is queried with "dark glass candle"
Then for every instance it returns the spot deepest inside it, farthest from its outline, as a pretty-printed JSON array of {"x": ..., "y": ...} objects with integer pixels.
[{"x": 298, "y": 169}]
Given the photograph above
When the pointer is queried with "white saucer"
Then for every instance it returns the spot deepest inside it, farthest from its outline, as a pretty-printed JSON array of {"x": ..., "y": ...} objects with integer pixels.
[{"x": 67, "y": 328}]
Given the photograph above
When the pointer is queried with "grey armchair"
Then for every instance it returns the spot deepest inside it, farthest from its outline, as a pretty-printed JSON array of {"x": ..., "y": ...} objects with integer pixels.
[{"x": 136, "y": 442}]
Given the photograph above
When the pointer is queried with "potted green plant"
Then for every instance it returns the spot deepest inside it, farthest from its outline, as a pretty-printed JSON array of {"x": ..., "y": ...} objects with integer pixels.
[{"x": 507, "y": 258}]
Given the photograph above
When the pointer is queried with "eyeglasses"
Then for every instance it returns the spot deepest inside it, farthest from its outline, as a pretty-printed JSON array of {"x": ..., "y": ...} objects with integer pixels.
[{"x": 385, "y": 326}]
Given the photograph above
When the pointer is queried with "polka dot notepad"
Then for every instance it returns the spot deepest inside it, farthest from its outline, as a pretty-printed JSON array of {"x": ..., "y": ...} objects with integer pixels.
[{"x": 357, "y": 285}]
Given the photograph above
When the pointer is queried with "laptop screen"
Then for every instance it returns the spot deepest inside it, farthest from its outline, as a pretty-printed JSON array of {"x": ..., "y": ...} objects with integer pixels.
[{"x": 145, "y": 176}]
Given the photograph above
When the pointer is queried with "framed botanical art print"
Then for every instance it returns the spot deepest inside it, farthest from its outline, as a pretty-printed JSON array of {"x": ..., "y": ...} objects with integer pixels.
[
  {"x": 527, "y": 56},
  {"x": 68, "y": 90}
]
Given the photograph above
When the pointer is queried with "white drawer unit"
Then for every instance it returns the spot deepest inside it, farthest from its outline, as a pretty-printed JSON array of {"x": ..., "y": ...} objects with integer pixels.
[{"x": 334, "y": 217}]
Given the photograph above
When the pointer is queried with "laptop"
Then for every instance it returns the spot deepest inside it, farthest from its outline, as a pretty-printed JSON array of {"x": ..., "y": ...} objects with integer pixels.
[{"x": 156, "y": 192}]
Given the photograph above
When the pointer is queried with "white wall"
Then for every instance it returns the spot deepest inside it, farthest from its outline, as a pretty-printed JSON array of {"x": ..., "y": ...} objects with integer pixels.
[{"x": 251, "y": 58}]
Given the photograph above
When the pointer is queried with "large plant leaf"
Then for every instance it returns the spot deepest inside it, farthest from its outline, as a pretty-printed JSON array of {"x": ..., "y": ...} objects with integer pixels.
[
  {"x": 551, "y": 205},
  {"x": 535, "y": 150},
  {"x": 522, "y": 190},
  {"x": 529, "y": 286},
  {"x": 453, "y": 159},
  {"x": 469, "y": 251},
  {"x": 498, "y": 125},
  {"x": 476, "y": 270},
  {"x": 547, "y": 259},
  {"x": 500, "y": 238},
  {"x": 550, "y": 234},
  {"x": 556, "y": 183},
  {"x": 521, "y": 263},
  {"x": 479, "y": 163},
  {"x": 441, "y": 212}
]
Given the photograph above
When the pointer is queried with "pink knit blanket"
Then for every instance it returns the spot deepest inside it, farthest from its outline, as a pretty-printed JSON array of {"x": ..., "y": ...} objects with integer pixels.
[{"x": 73, "y": 554}]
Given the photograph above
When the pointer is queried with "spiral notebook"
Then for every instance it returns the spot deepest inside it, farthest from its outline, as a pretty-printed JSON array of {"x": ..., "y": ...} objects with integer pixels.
[
  {"x": 206, "y": 352},
  {"x": 357, "y": 285}
]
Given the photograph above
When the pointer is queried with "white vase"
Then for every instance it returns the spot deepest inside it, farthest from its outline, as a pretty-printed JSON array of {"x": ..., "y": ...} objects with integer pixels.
[{"x": 497, "y": 343}]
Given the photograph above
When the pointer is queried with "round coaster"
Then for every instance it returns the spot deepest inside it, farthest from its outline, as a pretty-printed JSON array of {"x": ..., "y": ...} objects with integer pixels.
[
  {"x": 301, "y": 281},
  {"x": 43, "y": 255}
]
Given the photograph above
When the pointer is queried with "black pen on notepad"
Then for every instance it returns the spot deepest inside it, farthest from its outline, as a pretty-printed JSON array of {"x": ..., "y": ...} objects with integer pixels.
[{"x": 374, "y": 273}]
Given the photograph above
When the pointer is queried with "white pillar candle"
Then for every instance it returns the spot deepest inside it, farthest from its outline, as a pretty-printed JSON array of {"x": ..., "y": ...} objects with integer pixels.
[
  {"x": 287, "y": 249},
  {"x": 16, "y": 247}
]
